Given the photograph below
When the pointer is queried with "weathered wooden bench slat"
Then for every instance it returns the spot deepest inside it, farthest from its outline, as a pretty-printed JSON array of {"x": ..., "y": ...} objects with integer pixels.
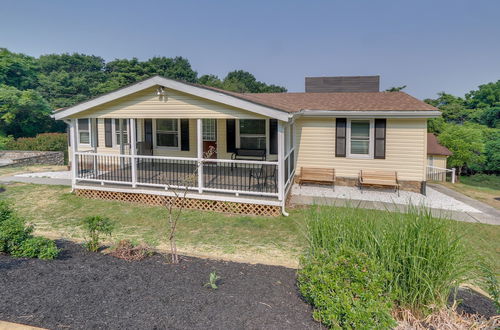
[
  {"x": 379, "y": 178},
  {"x": 316, "y": 175}
]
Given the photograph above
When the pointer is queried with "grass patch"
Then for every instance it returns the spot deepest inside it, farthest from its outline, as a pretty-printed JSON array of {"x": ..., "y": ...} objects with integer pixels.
[
  {"x": 489, "y": 181},
  {"x": 56, "y": 212},
  {"x": 483, "y": 187}
]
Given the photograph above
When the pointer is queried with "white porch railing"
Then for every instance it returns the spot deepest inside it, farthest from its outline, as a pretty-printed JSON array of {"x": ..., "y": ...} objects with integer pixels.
[
  {"x": 440, "y": 174},
  {"x": 211, "y": 175}
]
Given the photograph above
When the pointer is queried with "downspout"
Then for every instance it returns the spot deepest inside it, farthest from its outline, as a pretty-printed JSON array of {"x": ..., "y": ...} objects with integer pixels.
[{"x": 283, "y": 211}]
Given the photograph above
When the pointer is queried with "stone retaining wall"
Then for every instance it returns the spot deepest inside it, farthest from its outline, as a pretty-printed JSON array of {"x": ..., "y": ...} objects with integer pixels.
[{"x": 27, "y": 158}]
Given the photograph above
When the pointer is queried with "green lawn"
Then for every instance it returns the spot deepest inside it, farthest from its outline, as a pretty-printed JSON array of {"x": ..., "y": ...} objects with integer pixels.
[
  {"x": 274, "y": 240},
  {"x": 483, "y": 187}
]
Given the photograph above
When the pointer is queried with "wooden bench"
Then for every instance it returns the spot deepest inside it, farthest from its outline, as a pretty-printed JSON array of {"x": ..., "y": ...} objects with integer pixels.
[
  {"x": 379, "y": 178},
  {"x": 249, "y": 154},
  {"x": 316, "y": 175}
]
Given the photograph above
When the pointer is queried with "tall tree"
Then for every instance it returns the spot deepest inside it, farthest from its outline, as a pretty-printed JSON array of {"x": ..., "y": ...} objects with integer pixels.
[
  {"x": 17, "y": 70},
  {"x": 24, "y": 113},
  {"x": 396, "y": 89},
  {"x": 487, "y": 95},
  {"x": 466, "y": 144}
]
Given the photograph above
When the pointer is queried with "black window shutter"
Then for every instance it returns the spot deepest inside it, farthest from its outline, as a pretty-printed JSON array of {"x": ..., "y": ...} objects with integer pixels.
[
  {"x": 273, "y": 136},
  {"x": 380, "y": 128},
  {"x": 108, "y": 133},
  {"x": 185, "y": 134},
  {"x": 231, "y": 135},
  {"x": 148, "y": 131},
  {"x": 340, "y": 137}
]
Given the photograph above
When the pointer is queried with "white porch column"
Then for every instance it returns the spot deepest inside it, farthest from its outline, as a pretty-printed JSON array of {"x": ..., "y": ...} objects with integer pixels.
[
  {"x": 133, "y": 151},
  {"x": 281, "y": 160},
  {"x": 199, "y": 145},
  {"x": 74, "y": 150},
  {"x": 93, "y": 131}
]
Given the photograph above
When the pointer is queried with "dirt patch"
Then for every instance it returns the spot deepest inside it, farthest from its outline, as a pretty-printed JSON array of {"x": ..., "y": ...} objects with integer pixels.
[{"x": 91, "y": 290}]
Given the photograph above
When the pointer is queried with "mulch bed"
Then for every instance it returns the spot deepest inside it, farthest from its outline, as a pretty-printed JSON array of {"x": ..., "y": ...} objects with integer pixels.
[{"x": 85, "y": 290}]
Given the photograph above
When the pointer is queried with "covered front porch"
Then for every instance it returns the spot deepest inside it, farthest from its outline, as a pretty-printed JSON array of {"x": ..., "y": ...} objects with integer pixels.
[{"x": 247, "y": 161}]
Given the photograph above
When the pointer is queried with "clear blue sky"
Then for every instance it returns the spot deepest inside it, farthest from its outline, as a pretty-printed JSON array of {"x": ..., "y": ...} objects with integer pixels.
[{"x": 430, "y": 46}]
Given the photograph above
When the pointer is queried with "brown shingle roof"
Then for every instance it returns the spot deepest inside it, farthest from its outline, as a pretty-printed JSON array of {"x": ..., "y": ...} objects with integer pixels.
[
  {"x": 293, "y": 102},
  {"x": 434, "y": 148}
]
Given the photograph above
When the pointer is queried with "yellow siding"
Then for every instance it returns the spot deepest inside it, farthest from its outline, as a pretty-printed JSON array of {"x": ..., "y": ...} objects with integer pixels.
[
  {"x": 405, "y": 148},
  {"x": 437, "y": 161},
  {"x": 147, "y": 104}
]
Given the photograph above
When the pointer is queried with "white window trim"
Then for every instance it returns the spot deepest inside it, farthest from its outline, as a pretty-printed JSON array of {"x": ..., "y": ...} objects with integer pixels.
[
  {"x": 370, "y": 143},
  {"x": 179, "y": 142},
  {"x": 90, "y": 133},
  {"x": 266, "y": 135},
  {"x": 114, "y": 131}
]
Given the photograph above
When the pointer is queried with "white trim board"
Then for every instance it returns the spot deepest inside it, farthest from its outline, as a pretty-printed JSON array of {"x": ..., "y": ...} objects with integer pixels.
[{"x": 178, "y": 86}]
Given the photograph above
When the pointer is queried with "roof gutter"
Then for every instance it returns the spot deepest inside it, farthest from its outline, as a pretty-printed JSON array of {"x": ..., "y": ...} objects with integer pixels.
[{"x": 370, "y": 113}]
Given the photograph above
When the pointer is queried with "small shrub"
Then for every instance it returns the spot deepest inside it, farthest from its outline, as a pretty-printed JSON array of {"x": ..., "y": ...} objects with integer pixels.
[
  {"x": 5, "y": 210},
  {"x": 129, "y": 251},
  {"x": 347, "y": 290},
  {"x": 16, "y": 237},
  {"x": 212, "y": 281},
  {"x": 96, "y": 226},
  {"x": 36, "y": 247},
  {"x": 13, "y": 232}
]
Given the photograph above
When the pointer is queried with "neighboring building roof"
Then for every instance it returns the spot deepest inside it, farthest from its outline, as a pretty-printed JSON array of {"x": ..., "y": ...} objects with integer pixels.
[
  {"x": 275, "y": 105},
  {"x": 434, "y": 148}
]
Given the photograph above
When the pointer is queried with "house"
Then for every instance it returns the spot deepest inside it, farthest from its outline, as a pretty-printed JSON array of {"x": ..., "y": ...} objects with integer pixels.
[
  {"x": 141, "y": 142},
  {"x": 437, "y": 156}
]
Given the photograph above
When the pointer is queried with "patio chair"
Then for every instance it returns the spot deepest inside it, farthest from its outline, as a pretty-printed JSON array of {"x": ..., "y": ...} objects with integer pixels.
[{"x": 262, "y": 175}]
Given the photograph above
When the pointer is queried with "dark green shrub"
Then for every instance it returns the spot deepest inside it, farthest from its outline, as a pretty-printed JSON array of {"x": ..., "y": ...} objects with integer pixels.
[
  {"x": 42, "y": 142},
  {"x": 95, "y": 226},
  {"x": 347, "y": 290},
  {"x": 5, "y": 210},
  {"x": 16, "y": 237},
  {"x": 13, "y": 232},
  {"x": 36, "y": 247}
]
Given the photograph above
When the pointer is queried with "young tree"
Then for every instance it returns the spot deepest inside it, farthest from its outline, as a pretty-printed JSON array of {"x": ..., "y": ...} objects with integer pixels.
[
  {"x": 466, "y": 144},
  {"x": 176, "y": 205}
]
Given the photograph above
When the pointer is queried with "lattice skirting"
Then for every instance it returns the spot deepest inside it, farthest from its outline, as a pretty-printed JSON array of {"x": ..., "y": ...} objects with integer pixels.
[{"x": 190, "y": 203}]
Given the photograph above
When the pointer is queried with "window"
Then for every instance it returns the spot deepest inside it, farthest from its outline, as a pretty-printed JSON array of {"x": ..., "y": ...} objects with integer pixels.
[
  {"x": 253, "y": 134},
  {"x": 84, "y": 130},
  {"x": 167, "y": 133},
  {"x": 360, "y": 138},
  {"x": 209, "y": 130},
  {"x": 117, "y": 131}
]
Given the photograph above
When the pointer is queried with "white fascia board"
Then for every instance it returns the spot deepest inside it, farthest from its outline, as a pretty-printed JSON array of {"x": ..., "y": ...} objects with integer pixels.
[
  {"x": 181, "y": 87},
  {"x": 370, "y": 114}
]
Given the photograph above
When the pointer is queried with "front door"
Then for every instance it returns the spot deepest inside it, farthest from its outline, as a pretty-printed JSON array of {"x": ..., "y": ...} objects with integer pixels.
[{"x": 209, "y": 130}]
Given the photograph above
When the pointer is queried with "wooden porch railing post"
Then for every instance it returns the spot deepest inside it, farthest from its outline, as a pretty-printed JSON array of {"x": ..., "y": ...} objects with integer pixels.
[
  {"x": 199, "y": 145},
  {"x": 133, "y": 152}
]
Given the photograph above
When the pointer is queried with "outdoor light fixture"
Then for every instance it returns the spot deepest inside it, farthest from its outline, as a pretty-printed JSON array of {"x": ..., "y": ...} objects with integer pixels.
[{"x": 160, "y": 91}]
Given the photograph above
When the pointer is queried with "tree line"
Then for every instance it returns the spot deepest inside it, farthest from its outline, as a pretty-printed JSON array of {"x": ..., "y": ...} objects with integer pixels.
[
  {"x": 31, "y": 88},
  {"x": 470, "y": 128}
]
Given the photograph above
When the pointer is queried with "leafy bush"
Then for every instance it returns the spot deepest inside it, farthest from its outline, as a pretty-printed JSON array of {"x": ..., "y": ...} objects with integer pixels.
[
  {"x": 347, "y": 290},
  {"x": 4, "y": 140},
  {"x": 424, "y": 255},
  {"x": 42, "y": 142},
  {"x": 95, "y": 227},
  {"x": 16, "y": 237},
  {"x": 36, "y": 247},
  {"x": 13, "y": 232}
]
